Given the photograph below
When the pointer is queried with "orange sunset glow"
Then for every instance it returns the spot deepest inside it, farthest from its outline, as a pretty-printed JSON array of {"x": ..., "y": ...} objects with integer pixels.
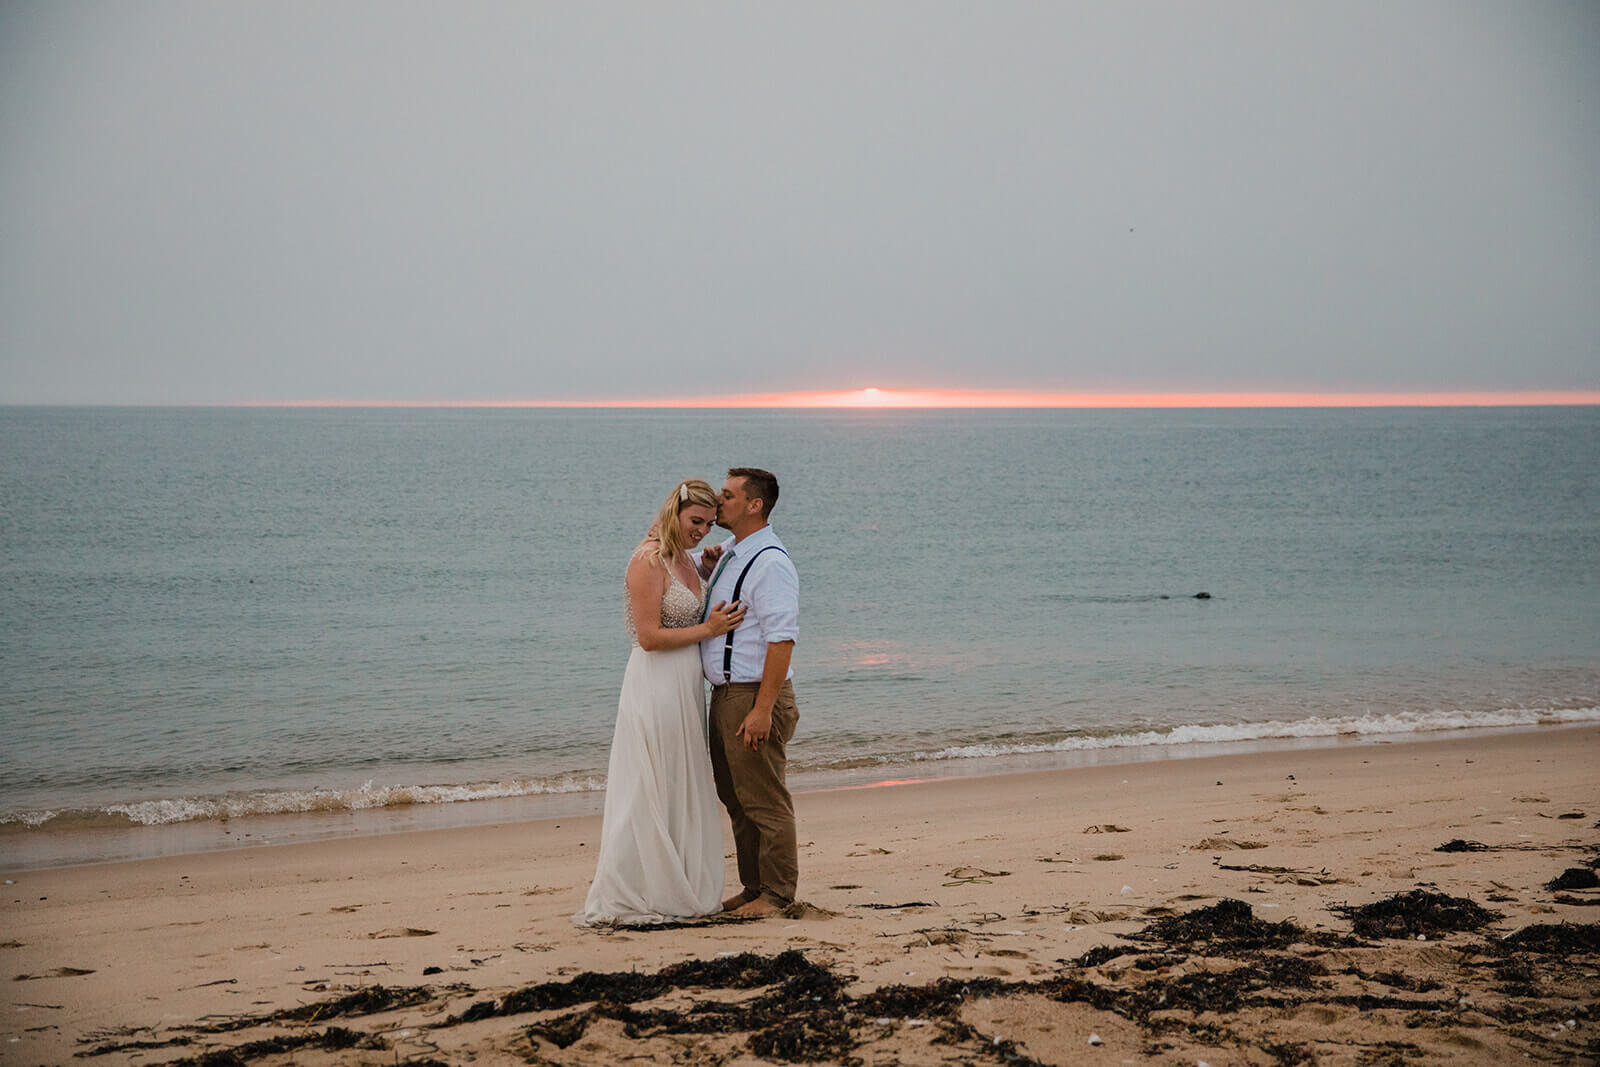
[{"x": 874, "y": 397}]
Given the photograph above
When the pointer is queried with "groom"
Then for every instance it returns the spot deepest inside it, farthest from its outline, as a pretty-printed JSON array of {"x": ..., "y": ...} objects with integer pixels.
[{"x": 753, "y": 712}]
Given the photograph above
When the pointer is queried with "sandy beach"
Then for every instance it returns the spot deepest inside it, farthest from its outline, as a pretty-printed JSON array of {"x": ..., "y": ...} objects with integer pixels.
[{"x": 1277, "y": 907}]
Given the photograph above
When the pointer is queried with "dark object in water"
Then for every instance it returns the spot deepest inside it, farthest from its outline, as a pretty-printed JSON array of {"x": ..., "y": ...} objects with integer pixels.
[
  {"x": 1574, "y": 878},
  {"x": 1416, "y": 912},
  {"x": 1202, "y": 596},
  {"x": 1230, "y": 922}
]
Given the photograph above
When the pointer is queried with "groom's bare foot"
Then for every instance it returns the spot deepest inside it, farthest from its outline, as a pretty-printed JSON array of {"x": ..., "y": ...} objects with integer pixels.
[
  {"x": 738, "y": 900},
  {"x": 758, "y": 908}
]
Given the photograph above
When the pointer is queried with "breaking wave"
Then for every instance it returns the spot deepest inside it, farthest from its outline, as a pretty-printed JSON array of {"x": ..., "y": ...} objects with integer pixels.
[
  {"x": 165, "y": 812},
  {"x": 1316, "y": 726},
  {"x": 297, "y": 801}
]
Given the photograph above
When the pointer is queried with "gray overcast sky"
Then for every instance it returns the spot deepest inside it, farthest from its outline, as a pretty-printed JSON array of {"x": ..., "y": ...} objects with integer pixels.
[{"x": 397, "y": 201}]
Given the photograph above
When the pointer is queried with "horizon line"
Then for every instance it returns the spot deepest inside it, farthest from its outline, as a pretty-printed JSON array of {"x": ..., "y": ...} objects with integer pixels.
[{"x": 873, "y": 398}]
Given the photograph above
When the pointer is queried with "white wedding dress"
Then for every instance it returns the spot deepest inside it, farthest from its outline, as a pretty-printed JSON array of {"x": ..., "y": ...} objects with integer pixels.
[{"x": 661, "y": 841}]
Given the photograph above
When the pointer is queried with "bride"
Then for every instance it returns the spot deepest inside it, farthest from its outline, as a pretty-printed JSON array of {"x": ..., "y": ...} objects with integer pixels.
[{"x": 661, "y": 839}]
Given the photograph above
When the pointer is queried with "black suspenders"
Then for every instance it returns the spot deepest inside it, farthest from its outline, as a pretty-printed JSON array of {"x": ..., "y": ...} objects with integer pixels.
[{"x": 727, "y": 647}]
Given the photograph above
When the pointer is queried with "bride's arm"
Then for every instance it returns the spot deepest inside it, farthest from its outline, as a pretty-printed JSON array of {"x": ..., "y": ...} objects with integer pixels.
[{"x": 647, "y": 584}]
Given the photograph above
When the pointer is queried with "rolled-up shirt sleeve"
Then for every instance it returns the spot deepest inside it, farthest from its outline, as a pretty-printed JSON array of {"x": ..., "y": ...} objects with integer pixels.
[{"x": 773, "y": 593}]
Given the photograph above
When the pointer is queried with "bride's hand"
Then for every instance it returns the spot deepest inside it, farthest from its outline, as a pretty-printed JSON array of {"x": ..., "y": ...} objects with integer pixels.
[
  {"x": 708, "y": 561},
  {"x": 724, "y": 617}
]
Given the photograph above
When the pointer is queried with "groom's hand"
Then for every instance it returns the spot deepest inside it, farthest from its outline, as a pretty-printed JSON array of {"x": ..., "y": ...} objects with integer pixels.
[{"x": 756, "y": 728}]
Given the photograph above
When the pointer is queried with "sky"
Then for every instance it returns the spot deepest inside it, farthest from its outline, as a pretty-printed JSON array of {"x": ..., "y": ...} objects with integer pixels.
[{"x": 418, "y": 202}]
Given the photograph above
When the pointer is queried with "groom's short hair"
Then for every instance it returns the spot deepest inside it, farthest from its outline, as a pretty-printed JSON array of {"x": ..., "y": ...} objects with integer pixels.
[{"x": 760, "y": 484}]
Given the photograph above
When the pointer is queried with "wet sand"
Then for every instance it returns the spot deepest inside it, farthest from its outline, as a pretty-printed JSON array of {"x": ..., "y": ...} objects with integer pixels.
[{"x": 1275, "y": 907}]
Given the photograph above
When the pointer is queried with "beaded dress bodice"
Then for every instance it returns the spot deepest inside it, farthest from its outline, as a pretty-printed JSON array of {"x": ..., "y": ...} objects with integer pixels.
[{"x": 680, "y": 607}]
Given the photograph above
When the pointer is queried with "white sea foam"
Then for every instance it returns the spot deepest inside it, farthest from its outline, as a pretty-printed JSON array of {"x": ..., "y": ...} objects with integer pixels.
[
  {"x": 1369, "y": 725},
  {"x": 29, "y": 818},
  {"x": 371, "y": 795},
  {"x": 288, "y": 802}
]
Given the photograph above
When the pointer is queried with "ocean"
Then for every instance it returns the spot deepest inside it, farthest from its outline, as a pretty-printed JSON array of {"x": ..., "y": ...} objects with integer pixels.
[{"x": 230, "y": 626}]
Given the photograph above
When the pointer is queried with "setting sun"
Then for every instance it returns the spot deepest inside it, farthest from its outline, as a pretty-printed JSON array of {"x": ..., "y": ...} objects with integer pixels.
[{"x": 878, "y": 398}]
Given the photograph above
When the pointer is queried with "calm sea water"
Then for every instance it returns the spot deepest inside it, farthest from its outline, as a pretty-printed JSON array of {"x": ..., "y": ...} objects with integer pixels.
[{"x": 209, "y": 614}]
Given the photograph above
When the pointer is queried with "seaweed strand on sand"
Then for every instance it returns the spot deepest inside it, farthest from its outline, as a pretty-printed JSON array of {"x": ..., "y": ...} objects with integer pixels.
[{"x": 1213, "y": 980}]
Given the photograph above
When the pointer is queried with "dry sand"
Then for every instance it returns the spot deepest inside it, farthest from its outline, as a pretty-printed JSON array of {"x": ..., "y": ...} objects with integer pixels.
[{"x": 946, "y": 922}]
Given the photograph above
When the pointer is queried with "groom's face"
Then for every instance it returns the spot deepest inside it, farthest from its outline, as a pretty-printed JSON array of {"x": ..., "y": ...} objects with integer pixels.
[{"x": 734, "y": 503}]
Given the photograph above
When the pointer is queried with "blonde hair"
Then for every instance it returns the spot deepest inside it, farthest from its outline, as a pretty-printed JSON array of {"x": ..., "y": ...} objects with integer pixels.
[{"x": 667, "y": 530}]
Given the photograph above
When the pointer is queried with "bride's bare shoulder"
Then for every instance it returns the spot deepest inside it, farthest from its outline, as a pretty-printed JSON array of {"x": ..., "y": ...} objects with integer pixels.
[{"x": 646, "y": 558}]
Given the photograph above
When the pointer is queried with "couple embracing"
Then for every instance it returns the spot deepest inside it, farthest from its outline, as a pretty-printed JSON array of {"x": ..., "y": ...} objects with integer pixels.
[{"x": 727, "y": 615}]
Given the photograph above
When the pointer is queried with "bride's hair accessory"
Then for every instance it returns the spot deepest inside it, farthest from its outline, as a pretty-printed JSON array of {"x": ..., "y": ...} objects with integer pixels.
[{"x": 683, "y": 491}]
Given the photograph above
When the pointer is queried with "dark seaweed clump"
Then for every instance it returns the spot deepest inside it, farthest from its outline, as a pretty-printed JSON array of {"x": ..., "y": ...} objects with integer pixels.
[
  {"x": 799, "y": 1011},
  {"x": 921, "y": 1002},
  {"x": 1458, "y": 845},
  {"x": 744, "y": 971},
  {"x": 368, "y": 1001},
  {"x": 1518, "y": 977},
  {"x": 1224, "y": 991},
  {"x": 1553, "y": 939},
  {"x": 1227, "y": 922},
  {"x": 1416, "y": 912},
  {"x": 333, "y": 1038},
  {"x": 1574, "y": 878},
  {"x": 779, "y": 1028},
  {"x": 1100, "y": 954}
]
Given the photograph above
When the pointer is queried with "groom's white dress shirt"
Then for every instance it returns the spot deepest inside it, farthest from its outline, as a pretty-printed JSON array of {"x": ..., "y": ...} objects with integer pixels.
[{"x": 771, "y": 595}]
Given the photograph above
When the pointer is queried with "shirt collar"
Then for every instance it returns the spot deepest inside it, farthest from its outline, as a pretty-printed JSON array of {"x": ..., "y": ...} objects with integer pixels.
[{"x": 763, "y": 536}]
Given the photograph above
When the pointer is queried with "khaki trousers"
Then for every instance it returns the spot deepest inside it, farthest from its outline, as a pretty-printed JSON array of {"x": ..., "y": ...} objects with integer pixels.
[{"x": 751, "y": 786}]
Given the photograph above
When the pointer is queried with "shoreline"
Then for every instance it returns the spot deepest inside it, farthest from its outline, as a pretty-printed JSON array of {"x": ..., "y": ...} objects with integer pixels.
[
  {"x": 1037, "y": 893},
  {"x": 47, "y": 848}
]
